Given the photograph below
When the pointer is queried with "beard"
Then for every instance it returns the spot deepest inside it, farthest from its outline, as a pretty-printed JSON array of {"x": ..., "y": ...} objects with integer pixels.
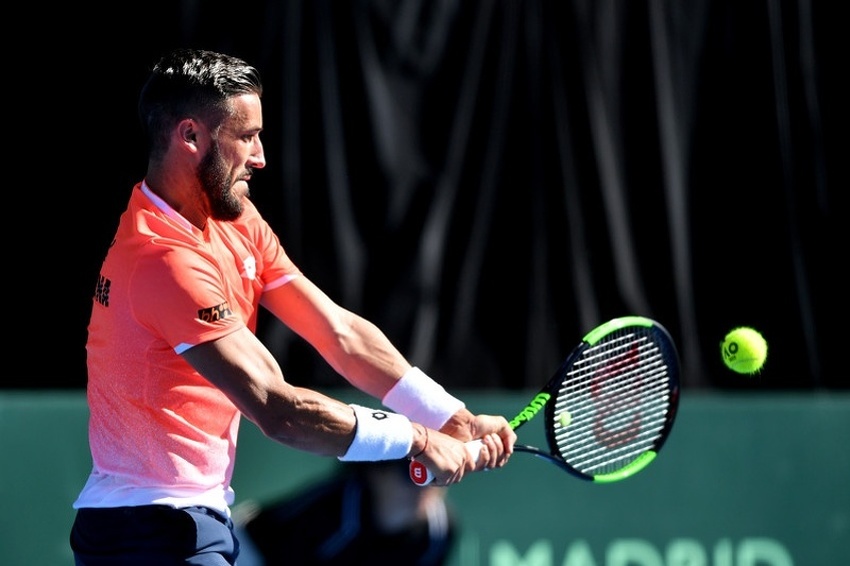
[{"x": 217, "y": 184}]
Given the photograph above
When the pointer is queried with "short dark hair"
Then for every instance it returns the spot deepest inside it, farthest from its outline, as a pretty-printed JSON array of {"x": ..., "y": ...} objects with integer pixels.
[{"x": 192, "y": 82}]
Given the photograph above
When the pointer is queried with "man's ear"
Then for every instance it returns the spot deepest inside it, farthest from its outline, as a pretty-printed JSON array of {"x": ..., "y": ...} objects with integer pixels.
[{"x": 187, "y": 131}]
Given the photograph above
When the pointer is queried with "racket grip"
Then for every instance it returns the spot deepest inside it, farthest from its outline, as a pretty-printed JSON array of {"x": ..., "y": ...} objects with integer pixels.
[{"x": 422, "y": 476}]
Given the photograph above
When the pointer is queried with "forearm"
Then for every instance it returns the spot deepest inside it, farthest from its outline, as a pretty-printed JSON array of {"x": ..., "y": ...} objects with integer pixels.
[
  {"x": 311, "y": 421},
  {"x": 365, "y": 357},
  {"x": 354, "y": 347},
  {"x": 306, "y": 420}
]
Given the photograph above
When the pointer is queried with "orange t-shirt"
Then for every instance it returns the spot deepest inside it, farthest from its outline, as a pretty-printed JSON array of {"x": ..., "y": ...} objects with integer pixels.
[{"x": 158, "y": 431}]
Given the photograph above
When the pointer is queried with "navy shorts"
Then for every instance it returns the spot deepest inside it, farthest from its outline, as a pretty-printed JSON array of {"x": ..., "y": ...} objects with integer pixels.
[{"x": 153, "y": 534}]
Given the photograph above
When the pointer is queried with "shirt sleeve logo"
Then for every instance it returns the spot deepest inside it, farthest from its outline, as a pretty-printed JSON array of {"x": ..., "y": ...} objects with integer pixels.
[
  {"x": 216, "y": 313},
  {"x": 101, "y": 292}
]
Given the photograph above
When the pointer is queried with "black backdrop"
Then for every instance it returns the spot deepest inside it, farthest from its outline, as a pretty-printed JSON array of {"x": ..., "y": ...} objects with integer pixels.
[{"x": 484, "y": 180}]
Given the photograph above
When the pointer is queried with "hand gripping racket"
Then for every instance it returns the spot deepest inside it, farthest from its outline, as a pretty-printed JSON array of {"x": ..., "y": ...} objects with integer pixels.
[{"x": 610, "y": 406}]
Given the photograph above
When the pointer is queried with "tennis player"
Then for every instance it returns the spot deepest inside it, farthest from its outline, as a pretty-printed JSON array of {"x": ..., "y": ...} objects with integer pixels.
[{"x": 173, "y": 359}]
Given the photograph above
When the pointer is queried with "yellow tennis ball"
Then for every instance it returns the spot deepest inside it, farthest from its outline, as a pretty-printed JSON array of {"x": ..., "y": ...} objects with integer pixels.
[
  {"x": 565, "y": 419},
  {"x": 744, "y": 350}
]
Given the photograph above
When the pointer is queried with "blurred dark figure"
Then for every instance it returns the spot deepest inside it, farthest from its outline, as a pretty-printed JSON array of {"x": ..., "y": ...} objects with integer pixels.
[{"x": 366, "y": 513}]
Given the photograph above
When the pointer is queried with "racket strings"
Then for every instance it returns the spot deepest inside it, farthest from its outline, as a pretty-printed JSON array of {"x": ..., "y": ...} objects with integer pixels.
[
  {"x": 618, "y": 398},
  {"x": 583, "y": 416},
  {"x": 592, "y": 458}
]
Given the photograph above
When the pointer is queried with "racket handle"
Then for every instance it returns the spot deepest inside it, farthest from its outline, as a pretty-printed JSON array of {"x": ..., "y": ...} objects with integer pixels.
[{"x": 422, "y": 476}]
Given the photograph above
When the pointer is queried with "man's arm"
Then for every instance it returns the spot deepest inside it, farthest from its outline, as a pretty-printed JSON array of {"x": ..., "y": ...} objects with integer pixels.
[
  {"x": 362, "y": 353},
  {"x": 241, "y": 366},
  {"x": 244, "y": 369},
  {"x": 353, "y": 346}
]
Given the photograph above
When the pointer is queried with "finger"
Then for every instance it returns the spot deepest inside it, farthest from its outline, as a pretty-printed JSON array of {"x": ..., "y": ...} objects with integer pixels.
[
  {"x": 491, "y": 457},
  {"x": 494, "y": 443}
]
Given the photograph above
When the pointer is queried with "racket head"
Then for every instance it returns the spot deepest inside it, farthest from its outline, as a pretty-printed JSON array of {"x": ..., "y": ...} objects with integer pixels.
[{"x": 613, "y": 400}]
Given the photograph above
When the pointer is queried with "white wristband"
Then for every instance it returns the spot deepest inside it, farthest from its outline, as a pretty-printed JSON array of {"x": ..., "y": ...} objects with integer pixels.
[
  {"x": 422, "y": 399},
  {"x": 380, "y": 435}
]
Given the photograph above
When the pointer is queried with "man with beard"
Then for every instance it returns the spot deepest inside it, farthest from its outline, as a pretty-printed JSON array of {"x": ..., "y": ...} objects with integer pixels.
[{"x": 173, "y": 359}]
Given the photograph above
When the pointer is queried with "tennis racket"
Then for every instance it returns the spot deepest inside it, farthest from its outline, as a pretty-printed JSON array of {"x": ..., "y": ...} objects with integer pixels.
[{"x": 610, "y": 406}]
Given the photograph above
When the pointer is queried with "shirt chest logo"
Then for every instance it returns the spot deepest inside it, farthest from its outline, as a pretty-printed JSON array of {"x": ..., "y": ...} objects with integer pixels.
[{"x": 249, "y": 268}]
